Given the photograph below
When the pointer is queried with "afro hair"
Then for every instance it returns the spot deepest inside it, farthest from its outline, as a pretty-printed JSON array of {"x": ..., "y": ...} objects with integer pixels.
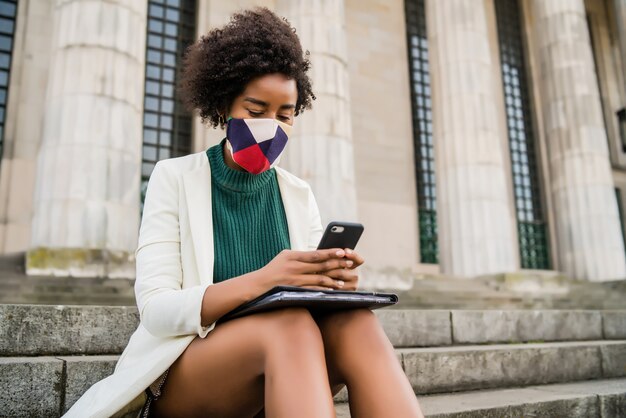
[{"x": 256, "y": 42}]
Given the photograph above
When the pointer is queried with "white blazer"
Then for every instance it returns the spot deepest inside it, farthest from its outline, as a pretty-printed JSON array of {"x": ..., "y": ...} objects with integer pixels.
[{"x": 174, "y": 260}]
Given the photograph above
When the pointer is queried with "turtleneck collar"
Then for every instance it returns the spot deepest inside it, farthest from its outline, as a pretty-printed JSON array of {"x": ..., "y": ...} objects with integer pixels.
[{"x": 234, "y": 180}]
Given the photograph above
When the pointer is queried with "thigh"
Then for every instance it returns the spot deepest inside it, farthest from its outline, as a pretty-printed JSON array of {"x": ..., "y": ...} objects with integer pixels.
[{"x": 218, "y": 376}]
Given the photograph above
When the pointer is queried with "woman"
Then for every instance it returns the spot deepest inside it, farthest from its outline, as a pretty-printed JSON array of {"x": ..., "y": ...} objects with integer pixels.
[{"x": 222, "y": 227}]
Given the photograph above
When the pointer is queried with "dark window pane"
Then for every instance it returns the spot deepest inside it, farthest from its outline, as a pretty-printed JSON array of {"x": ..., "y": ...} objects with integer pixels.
[
  {"x": 6, "y": 42},
  {"x": 4, "y": 78},
  {"x": 531, "y": 220},
  {"x": 149, "y": 136},
  {"x": 155, "y": 26},
  {"x": 155, "y": 41},
  {"x": 422, "y": 127},
  {"x": 171, "y": 29},
  {"x": 154, "y": 56},
  {"x": 166, "y": 123},
  {"x": 7, "y": 9},
  {"x": 155, "y": 11},
  {"x": 164, "y": 116},
  {"x": 149, "y": 153},
  {"x": 168, "y": 74},
  {"x": 153, "y": 71},
  {"x": 172, "y": 15},
  {"x": 152, "y": 87},
  {"x": 169, "y": 59},
  {"x": 168, "y": 90},
  {"x": 150, "y": 120},
  {"x": 169, "y": 44},
  {"x": 151, "y": 103},
  {"x": 6, "y": 26},
  {"x": 167, "y": 106}
]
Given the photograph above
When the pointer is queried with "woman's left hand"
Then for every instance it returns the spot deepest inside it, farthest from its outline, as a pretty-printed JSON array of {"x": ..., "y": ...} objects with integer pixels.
[{"x": 349, "y": 275}]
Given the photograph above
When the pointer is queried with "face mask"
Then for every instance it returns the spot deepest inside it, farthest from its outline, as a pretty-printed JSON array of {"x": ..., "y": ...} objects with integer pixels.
[{"x": 256, "y": 144}]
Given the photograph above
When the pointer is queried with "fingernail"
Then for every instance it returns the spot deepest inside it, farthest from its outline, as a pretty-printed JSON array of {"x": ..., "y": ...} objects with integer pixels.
[
  {"x": 340, "y": 253},
  {"x": 349, "y": 263},
  {"x": 348, "y": 251},
  {"x": 340, "y": 283}
]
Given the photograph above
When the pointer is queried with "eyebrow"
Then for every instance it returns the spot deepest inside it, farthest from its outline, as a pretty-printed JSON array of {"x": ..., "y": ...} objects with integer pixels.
[{"x": 262, "y": 103}]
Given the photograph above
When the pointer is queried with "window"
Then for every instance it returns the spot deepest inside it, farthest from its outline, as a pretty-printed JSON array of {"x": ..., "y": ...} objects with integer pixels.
[
  {"x": 166, "y": 124},
  {"x": 620, "y": 213},
  {"x": 417, "y": 43},
  {"x": 621, "y": 121},
  {"x": 8, "y": 13},
  {"x": 531, "y": 222}
]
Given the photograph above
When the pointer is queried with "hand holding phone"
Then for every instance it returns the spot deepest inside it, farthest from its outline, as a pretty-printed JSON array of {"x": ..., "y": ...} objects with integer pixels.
[{"x": 341, "y": 235}]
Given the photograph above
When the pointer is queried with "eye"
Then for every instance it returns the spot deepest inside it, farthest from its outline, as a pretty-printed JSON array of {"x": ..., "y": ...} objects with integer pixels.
[
  {"x": 254, "y": 114},
  {"x": 284, "y": 118}
]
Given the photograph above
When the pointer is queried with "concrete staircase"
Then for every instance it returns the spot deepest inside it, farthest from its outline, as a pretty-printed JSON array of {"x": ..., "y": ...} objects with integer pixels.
[{"x": 461, "y": 363}]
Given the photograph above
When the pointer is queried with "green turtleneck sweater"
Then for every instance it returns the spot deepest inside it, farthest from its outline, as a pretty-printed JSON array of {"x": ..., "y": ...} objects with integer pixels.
[{"x": 249, "y": 222}]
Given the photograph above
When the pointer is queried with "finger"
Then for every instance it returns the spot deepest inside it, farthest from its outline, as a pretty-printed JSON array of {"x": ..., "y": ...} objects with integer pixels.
[
  {"x": 322, "y": 266},
  {"x": 355, "y": 257},
  {"x": 342, "y": 274},
  {"x": 318, "y": 256},
  {"x": 318, "y": 280}
]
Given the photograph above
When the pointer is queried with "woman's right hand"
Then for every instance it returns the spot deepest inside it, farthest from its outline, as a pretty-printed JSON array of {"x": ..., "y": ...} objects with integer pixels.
[{"x": 304, "y": 269}]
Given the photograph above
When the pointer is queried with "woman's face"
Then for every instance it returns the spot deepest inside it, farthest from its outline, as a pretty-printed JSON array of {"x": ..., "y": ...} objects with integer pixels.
[{"x": 270, "y": 96}]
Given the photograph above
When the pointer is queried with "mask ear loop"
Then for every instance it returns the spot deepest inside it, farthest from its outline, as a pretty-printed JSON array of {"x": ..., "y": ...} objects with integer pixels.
[{"x": 221, "y": 120}]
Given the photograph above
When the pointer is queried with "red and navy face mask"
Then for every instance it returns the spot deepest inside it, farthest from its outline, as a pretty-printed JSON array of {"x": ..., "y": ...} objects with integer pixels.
[{"x": 256, "y": 144}]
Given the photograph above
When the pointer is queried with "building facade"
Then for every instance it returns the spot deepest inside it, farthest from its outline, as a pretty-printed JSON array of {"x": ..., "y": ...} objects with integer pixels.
[{"x": 470, "y": 137}]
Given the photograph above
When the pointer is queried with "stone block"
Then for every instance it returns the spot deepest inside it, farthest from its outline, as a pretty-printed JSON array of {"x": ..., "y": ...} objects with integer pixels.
[
  {"x": 612, "y": 405},
  {"x": 46, "y": 330},
  {"x": 30, "y": 387},
  {"x": 614, "y": 359},
  {"x": 441, "y": 369},
  {"x": 474, "y": 326},
  {"x": 82, "y": 372},
  {"x": 614, "y": 324},
  {"x": 416, "y": 328}
]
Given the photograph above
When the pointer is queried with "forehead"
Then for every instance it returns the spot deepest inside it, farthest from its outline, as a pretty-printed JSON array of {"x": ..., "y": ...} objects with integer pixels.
[{"x": 273, "y": 88}]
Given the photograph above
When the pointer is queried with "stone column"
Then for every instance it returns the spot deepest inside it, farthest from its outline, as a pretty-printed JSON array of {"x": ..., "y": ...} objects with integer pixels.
[
  {"x": 86, "y": 209},
  {"x": 620, "y": 23},
  {"x": 320, "y": 150},
  {"x": 474, "y": 206},
  {"x": 589, "y": 240}
]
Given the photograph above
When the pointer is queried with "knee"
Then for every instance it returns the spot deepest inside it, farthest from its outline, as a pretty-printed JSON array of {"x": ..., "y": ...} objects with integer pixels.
[
  {"x": 292, "y": 324},
  {"x": 345, "y": 324}
]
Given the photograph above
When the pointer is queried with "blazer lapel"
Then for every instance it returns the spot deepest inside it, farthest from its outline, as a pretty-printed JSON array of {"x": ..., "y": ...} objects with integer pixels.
[
  {"x": 198, "y": 193},
  {"x": 296, "y": 203}
]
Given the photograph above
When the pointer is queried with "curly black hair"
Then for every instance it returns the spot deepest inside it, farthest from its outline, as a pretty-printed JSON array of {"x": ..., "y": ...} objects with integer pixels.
[{"x": 217, "y": 67}]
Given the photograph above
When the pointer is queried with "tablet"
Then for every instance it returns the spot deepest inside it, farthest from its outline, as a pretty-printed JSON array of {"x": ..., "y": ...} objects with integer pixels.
[{"x": 312, "y": 299}]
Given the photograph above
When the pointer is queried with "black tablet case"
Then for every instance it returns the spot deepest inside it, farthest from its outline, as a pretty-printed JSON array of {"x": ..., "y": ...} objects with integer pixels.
[{"x": 312, "y": 299}]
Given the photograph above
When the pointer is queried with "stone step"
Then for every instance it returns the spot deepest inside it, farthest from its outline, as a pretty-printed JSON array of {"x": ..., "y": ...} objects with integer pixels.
[
  {"x": 596, "y": 398},
  {"x": 472, "y": 367},
  {"x": 59, "y": 381},
  {"x": 67, "y": 330}
]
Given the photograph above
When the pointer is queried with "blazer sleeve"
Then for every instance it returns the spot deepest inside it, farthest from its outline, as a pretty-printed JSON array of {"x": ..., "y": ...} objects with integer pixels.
[
  {"x": 315, "y": 223},
  {"x": 165, "y": 308}
]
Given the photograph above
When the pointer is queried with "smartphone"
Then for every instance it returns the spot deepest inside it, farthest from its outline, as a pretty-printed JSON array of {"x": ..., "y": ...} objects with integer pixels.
[{"x": 341, "y": 235}]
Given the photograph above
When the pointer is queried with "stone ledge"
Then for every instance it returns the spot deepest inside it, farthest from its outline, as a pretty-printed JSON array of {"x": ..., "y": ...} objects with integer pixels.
[
  {"x": 614, "y": 324},
  {"x": 461, "y": 368},
  {"x": 413, "y": 328},
  {"x": 472, "y": 327},
  {"x": 31, "y": 387},
  {"x": 69, "y": 330},
  {"x": 48, "y": 386},
  {"x": 596, "y": 398},
  {"x": 59, "y": 330}
]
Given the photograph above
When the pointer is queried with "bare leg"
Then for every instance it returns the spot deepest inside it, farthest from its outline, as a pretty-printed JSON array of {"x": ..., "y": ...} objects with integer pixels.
[
  {"x": 359, "y": 353},
  {"x": 274, "y": 358}
]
